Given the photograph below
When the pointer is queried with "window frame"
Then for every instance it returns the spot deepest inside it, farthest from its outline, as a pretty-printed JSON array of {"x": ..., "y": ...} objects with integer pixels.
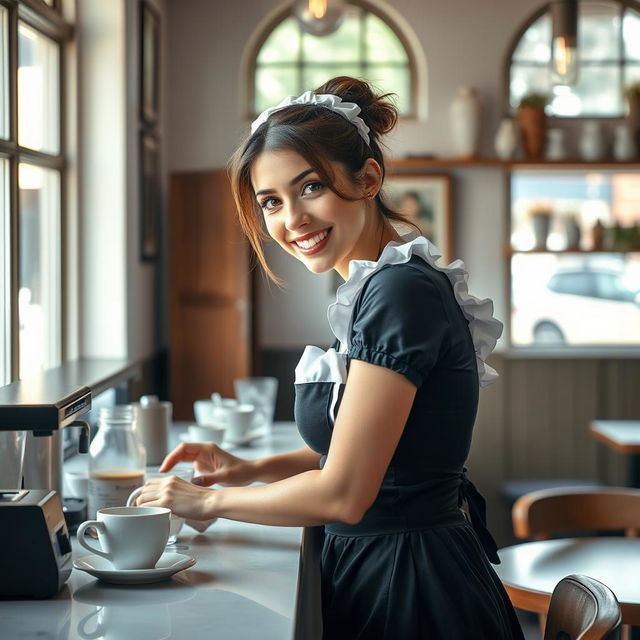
[
  {"x": 515, "y": 41},
  {"x": 267, "y": 28},
  {"x": 49, "y": 22}
]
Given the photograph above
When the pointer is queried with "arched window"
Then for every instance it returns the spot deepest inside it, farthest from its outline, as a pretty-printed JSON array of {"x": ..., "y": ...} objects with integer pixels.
[
  {"x": 608, "y": 53},
  {"x": 366, "y": 45}
]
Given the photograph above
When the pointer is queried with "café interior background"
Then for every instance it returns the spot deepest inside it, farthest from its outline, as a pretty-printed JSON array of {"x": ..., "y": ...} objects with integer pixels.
[{"x": 533, "y": 423}]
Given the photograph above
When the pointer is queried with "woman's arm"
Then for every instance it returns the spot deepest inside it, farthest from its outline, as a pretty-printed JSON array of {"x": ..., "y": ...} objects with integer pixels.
[
  {"x": 372, "y": 415},
  {"x": 285, "y": 465}
]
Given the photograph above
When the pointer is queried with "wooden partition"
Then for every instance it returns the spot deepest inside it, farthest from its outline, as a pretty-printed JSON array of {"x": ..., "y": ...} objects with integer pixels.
[{"x": 210, "y": 292}]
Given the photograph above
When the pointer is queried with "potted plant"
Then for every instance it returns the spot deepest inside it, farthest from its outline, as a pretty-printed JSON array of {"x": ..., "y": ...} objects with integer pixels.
[
  {"x": 632, "y": 99},
  {"x": 532, "y": 120}
]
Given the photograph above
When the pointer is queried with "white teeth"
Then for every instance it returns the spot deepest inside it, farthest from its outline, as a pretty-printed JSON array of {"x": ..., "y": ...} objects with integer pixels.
[{"x": 312, "y": 242}]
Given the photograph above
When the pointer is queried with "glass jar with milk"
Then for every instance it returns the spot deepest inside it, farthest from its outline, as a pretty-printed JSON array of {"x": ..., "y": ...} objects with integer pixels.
[{"x": 117, "y": 459}]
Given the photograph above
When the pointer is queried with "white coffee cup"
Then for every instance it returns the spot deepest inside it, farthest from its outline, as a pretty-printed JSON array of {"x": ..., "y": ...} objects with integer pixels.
[
  {"x": 76, "y": 484},
  {"x": 175, "y": 522},
  {"x": 238, "y": 422},
  {"x": 206, "y": 433},
  {"x": 206, "y": 411},
  {"x": 129, "y": 537}
]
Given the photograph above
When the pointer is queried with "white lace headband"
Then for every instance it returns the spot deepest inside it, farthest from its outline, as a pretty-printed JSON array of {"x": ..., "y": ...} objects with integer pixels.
[{"x": 348, "y": 110}]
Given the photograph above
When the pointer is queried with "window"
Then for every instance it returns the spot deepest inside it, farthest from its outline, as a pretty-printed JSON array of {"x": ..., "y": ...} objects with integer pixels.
[
  {"x": 575, "y": 263},
  {"x": 365, "y": 45},
  {"x": 609, "y": 61},
  {"x": 32, "y": 167}
]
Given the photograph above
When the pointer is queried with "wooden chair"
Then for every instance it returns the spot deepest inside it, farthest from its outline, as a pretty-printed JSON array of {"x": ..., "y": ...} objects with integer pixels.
[
  {"x": 551, "y": 512},
  {"x": 583, "y": 609}
]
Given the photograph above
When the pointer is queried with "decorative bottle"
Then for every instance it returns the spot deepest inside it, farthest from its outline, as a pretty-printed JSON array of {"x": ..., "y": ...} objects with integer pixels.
[
  {"x": 465, "y": 123},
  {"x": 506, "y": 140},
  {"x": 592, "y": 141},
  {"x": 624, "y": 147},
  {"x": 117, "y": 459}
]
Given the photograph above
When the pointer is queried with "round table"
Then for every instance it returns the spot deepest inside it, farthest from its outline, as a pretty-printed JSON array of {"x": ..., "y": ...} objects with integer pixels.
[{"x": 531, "y": 570}]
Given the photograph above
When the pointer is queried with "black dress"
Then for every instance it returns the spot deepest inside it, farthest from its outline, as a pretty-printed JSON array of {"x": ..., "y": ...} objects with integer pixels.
[{"x": 417, "y": 565}]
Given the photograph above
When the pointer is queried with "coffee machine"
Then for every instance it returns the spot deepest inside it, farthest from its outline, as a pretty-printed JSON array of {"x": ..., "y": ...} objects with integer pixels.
[{"x": 33, "y": 530}]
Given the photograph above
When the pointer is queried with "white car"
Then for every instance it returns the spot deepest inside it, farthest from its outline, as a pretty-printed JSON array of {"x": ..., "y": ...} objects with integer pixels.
[{"x": 578, "y": 307}]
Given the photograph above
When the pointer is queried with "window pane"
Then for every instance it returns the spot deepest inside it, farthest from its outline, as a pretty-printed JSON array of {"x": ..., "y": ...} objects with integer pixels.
[
  {"x": 283, "y": 43},
  {"x": 598, "y": 89},
  {"x": 4, "y": 73},
  {"x": 394, "y": 79},
  {"x": 343, "y": 45},
  {"x": 382, "y": 44},
  {"x": 526, "y": 79},
  {"x": 535, "y": 44},
  {"x": 599, "y": 31},
  {"x": 38, "y": 91},
  {"x": 273, "y": 84},
  {"x": 631, "y": 34},
  {"x": 557, "y": 301},
  {"x": 315, "y": 76},
  {"x": 40, "y": 283},
  {"x": 5, "y": 282}
]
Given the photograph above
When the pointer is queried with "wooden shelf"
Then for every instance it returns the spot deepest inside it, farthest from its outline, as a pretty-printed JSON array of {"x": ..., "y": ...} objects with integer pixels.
[{"x": 417, "y": 164}]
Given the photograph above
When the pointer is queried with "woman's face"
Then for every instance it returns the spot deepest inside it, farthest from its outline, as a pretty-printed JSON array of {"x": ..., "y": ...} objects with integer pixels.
[{"x": 306, "y": 218}]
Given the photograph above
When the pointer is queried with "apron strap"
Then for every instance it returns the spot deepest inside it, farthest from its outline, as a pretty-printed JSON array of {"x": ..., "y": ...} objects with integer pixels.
[{"x": 478, "y": 512}]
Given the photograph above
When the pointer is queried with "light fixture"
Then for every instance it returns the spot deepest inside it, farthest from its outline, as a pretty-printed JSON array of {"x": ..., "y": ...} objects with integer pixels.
[
  {"x": 564, "y": 42},
  {"x": 319, "y": 17}
]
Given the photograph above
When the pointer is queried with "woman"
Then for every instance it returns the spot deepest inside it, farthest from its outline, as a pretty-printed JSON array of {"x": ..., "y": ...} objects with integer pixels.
[{"x": 387, "y": 412}]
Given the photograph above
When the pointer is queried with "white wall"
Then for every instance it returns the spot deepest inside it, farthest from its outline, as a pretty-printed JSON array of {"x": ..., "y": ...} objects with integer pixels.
[{"x": 465, "y": 43}]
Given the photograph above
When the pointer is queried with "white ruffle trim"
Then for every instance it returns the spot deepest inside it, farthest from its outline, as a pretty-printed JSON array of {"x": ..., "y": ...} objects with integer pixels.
[{"x": 485, "y": 329}]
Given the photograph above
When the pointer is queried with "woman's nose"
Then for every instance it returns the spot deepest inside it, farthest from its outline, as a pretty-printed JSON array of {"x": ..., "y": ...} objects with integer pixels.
[{"x": 295, "y": 216}]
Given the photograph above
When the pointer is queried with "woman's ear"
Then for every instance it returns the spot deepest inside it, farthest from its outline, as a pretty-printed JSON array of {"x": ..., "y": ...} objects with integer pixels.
[{"x": 371, "y": 178}]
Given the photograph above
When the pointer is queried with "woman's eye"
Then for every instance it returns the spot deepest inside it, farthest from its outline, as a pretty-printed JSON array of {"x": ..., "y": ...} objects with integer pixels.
[
  {"x": 312, "y": 187},
  {"x": 268, "y": 204}
]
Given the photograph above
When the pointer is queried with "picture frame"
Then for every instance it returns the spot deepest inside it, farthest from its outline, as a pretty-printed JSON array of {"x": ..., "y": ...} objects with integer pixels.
[
  {"x": 426, "y": 200},
  {"x": 150, "y": 200},
  {"x": 149, "y": 63}
]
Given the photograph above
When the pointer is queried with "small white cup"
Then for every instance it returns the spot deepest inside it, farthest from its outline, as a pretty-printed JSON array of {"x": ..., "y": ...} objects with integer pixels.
[
  {"x": 129, "y": 537},
  {"x": 207, "y": 411},
  {"x": 238, "y": 421},
  {"x": 206, "y": 433},
  {"x": 76, "y": 484}
]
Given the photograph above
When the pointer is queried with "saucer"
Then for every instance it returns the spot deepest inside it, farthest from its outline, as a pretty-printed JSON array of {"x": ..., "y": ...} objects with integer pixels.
[
  {"x": 250, "y": 436},
  {"x": 101, "y": 568}
]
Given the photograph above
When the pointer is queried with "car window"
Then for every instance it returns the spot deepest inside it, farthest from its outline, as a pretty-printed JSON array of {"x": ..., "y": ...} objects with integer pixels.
[
  {"x": 577, "y": 284},
  {"x": 610, "y": 287}
]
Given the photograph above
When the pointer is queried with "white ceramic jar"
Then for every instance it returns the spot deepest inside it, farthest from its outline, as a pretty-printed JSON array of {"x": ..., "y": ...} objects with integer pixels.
[{"x": 465, "y": 123}]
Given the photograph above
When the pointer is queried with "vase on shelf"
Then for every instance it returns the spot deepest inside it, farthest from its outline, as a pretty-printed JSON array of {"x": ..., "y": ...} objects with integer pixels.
[
  {"x": 464, "y": 115},
  {"x": 572, "y": 233},
  {"x": 506, "y": 140},
  {"x": 597, "y": 236},
  {"x": 592, "y": 145},
  {"x": 555, "y": 150},
  {"x": 532, "y": 122},
  {"x": 624, "y": 147},
  {"x": 541, "y": 223}
]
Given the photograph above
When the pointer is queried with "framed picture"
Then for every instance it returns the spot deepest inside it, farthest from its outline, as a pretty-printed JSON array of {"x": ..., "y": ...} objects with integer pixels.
[
  {"x": 425, "y": 200},
  {"x": 150, "y": 201},
  {"x": 149, "y": 63}
]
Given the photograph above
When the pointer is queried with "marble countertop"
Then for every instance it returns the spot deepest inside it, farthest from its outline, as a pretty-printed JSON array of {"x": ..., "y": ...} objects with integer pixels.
[{"x": 242, "y": 586}]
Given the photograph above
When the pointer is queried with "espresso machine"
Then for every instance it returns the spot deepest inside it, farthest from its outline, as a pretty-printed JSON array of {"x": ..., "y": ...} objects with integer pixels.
[{"x": 36, "y": 559}]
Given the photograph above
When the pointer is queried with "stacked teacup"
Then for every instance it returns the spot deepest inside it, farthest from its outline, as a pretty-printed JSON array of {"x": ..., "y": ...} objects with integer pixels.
[{"x": 222, "y": 419}]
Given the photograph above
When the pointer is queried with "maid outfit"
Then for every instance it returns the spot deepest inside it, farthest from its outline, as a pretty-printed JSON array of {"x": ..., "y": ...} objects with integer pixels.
[{"x": 417, "y": 565}]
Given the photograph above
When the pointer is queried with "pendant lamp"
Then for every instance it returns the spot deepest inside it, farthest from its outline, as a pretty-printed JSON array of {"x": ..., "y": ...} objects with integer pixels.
[
  {"x": 319, "y": 17},
  {"x": 564, "y": 42}
]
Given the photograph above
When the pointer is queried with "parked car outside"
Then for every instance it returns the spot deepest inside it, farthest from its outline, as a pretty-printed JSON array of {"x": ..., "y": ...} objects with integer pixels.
[{"x": 578, "y": 307}]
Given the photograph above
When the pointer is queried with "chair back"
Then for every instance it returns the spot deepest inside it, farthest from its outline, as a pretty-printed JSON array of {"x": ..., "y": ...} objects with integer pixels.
[
  {"x": 583, "y": 609},
  {"x": 541, "y": 514}
]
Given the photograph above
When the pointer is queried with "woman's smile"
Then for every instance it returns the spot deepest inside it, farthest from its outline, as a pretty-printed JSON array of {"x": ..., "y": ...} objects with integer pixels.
[{"x": 312, "y": 243}]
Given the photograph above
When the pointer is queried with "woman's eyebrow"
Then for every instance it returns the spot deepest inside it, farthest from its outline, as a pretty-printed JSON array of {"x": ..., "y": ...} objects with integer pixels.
[{"x": 299, "y": 177}]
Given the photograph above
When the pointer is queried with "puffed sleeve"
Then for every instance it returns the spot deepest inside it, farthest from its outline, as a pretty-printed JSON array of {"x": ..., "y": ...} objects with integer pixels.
[{"x": 400, "y": 322}]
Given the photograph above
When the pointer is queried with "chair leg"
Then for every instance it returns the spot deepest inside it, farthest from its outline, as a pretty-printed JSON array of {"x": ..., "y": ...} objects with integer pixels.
[{"x": 542, "y": 621}]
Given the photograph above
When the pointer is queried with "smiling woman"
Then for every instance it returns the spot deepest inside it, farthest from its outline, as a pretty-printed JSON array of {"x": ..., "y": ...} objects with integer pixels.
[{"x": 387, "y": 413}]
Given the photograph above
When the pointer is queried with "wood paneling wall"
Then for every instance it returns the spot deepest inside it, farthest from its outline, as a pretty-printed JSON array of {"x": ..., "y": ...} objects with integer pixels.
[{"x": 534, "y": 423}]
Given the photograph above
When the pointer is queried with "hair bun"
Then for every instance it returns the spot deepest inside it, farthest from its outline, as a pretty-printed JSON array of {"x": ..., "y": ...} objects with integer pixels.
[{"x": 377, "y": 110}]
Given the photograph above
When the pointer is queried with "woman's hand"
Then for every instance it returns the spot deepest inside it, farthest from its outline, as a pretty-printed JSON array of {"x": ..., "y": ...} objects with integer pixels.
[
  {"x": 183, "y": 498},
  {"x": 216, "y": 465}
]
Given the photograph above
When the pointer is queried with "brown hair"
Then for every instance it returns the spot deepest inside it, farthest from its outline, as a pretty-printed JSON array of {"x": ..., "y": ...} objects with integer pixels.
[{"x": 320, "y": 136}]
